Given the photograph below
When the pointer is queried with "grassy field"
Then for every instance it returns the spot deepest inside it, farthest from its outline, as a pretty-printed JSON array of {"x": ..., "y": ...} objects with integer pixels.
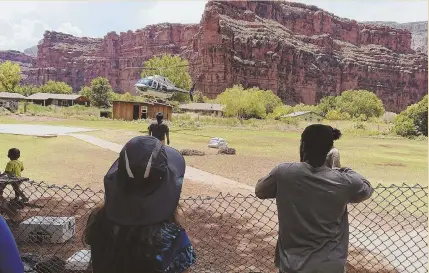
[
  {"x": 260, "y": 146},
  {"x": 385, "y": 161},
  {"x": 61, "y": 160}
]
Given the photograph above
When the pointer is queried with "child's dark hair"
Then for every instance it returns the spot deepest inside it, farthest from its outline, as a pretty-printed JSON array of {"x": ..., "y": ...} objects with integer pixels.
[
  {"x": 336, "y": 133},
  {"x": 14, "y": 154},
  {"x": 116, "y": 248}
]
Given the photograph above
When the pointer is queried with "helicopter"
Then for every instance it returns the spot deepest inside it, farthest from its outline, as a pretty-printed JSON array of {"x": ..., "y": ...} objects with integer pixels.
[{"x": 158, "y": 86}]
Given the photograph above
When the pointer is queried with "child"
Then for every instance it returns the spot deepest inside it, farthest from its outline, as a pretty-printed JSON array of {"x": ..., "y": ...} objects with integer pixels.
[{"x": 14, "y": 168}]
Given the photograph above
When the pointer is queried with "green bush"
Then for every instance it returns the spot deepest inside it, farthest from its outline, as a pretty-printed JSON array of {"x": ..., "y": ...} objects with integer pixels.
[
  {"x": 337, "y": 115},
  {"x": 280, "y": 111},
  {"x": 414, "y": 120},
  {"x": 290, "y": 121},
  {"x": 404, "y": 126},
  {"x": 358, "y": 103},
  {"x": 55, "y": 87},
  {"x": 359, "y": 126},
  {"x": 248, "y": 103}
]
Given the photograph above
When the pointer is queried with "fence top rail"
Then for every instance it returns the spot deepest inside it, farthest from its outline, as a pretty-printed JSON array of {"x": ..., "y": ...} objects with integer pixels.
[{"x": 78, "y": 188}]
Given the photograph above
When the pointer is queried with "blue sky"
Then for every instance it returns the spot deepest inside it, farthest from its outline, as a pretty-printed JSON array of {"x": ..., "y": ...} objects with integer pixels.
[{"x": 22, "y": 23}]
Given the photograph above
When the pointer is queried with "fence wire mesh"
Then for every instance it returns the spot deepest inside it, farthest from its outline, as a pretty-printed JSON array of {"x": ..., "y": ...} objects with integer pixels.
[{"x": 230, "y": 233}]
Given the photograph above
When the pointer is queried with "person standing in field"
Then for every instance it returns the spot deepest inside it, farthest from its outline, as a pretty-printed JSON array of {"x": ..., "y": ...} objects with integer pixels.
[
  {"x": 312, "y": 206},
  {"x": 159, "y": 129},
  {"x": 333, "y": 157}
]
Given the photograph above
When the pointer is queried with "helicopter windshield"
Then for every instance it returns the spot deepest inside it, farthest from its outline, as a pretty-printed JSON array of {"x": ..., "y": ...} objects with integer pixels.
[{"x": 145, "y": 81}]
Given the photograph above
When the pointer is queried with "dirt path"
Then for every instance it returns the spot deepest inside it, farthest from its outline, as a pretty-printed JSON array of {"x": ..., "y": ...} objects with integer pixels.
[{"x": 210, "y": 180}]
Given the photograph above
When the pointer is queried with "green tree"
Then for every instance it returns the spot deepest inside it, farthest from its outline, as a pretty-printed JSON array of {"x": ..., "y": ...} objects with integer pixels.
[
  {"x": 327, "y": 104},
  {"x": 404, "y": 126},
  {"x": 101, "y": 92},
  {"x": 280, "y": 111},
  {"x": 85, "y": 91},
  {"x": 248, "y": 103},
  {"x": 27, "y": 90},
  {"x": 337, "y": 115},
  {"x": 180, "y": 97},
  {"x": 360, "y": 102},
  {"x": 199, "y": 97},
  {"x": 55, "y": 87},
  {"x": 413, "y": 121},
  {"x": 170, "y": 66},
  {"x": 10, "y": 76}
]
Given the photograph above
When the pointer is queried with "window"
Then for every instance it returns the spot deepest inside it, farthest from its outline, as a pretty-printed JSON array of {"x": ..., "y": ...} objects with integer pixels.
[
  {"x": 144, "y": 112},
  {"x": 64, "y": 103}
]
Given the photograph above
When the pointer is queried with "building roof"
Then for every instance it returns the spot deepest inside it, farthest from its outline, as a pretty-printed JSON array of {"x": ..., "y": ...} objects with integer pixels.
[
  {"x": 202, "y": 107},
  {"x": 46, "y": 96},
  {"x": 296, "y": 114},
  {"x": 143, "y": 102},
  {"x": 7, "y": 95}
]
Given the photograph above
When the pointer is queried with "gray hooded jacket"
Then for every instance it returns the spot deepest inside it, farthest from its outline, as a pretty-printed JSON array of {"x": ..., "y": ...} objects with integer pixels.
[{"x": 312, "y": 214}]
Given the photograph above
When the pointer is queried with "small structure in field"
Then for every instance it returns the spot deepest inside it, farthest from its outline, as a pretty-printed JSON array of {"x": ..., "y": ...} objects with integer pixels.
[
  {"x": 190, "y": 152},
  {"x": 304, "y": 115},
  {"x": 134, "y": 110},
  {"x": 203, "y": 108},
  {"x": 47, "y": 99}
]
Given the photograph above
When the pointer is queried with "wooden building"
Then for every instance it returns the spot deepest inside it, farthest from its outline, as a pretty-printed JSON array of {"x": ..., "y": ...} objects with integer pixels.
[
  {"x": 46, "y": 99},
  {"x": 133, "y": 110}
]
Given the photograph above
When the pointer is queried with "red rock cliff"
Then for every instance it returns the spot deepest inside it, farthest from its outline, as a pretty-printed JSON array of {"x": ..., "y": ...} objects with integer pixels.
[
  {"x": 77, "y": 61},
  {"x": 300, "y": 52},
  {"x": 24, "y": 61},
  {"x": 303, "y": 54}
]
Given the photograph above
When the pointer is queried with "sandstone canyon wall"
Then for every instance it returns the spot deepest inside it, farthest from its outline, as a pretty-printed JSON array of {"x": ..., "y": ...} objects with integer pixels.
[
  {"x": 304, "y": 53},
  {"x": 300, "y": 52},
  {"x": 77, "y": 61}
]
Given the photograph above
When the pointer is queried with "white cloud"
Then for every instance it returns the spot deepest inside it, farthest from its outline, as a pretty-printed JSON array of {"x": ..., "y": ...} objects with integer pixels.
[
  {"x": 23, "y": 23},
  {"x": 184, "y": 12},
  {"x": 69, "y": 28},
  {"x": 21, "y": 34}
]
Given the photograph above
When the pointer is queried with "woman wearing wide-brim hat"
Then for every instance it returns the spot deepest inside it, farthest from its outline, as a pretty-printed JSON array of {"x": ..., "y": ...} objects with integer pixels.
[{"x": 136, "y": 230}]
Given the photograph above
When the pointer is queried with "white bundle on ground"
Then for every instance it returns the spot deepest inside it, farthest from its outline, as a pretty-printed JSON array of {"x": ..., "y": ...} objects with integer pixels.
[{"x": 217, "y": 143}]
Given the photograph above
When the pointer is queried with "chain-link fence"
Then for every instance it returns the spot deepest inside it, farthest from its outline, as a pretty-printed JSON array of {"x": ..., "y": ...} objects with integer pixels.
[{"x": 230, "y": 233}]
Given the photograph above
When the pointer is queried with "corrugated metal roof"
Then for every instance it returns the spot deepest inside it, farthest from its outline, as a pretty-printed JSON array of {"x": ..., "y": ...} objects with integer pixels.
[
  {"x": 46, "y": 96},
  {"x": 143, "y": 102},
  {"x": 202, "y": 106},
  {"x": 296, "y": 114},
  {"x": 7, "y": 95}
]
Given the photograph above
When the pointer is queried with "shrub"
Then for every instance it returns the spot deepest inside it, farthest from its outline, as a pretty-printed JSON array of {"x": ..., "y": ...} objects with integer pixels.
[
  {"x": 55, "y": 87},
  {"x": 404, "y": 126},
  {"x": 337, "y": 115},
  {"x": 359, "y": 126},
  {"x": 248, "y": 103},
  {"x": 360, "y": 102},
  {"x": 280, "y": 111},
  {"x": 414, "y": 120}
]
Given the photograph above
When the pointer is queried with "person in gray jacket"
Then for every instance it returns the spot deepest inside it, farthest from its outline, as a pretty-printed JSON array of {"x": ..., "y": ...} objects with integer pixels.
[{"x": 312, "y": 206}]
